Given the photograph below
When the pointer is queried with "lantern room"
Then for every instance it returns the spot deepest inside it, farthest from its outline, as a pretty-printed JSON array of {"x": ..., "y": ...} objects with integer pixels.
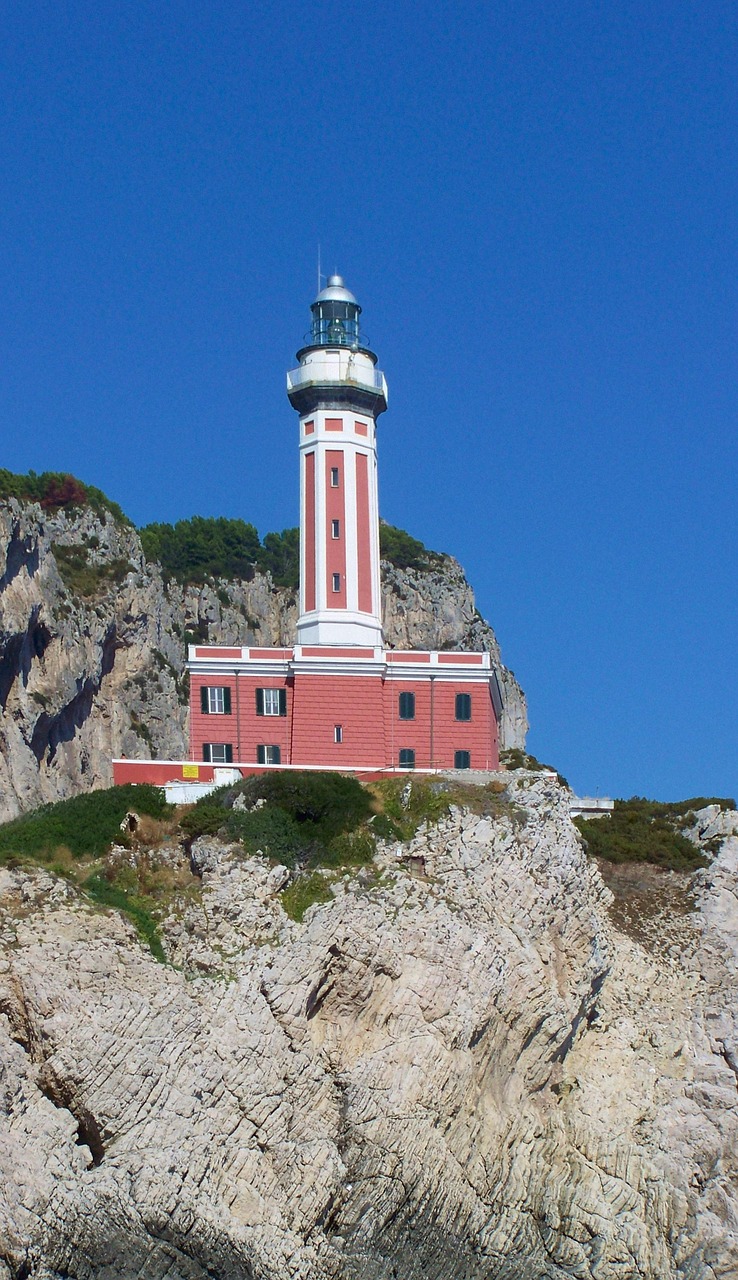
[{"x": 335, "y": 320}]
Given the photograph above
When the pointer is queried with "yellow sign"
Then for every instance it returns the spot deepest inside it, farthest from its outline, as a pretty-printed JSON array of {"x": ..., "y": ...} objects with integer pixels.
[{"x": 190, "y": 771}]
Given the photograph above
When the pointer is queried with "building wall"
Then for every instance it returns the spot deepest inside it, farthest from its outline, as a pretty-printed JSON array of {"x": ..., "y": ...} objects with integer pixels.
[
  {"x": 478, "y": 736},
  {"x": 243, "y": 729},
  {"x": 367, "y": 709},
  {"x": 354, "y": 702}
]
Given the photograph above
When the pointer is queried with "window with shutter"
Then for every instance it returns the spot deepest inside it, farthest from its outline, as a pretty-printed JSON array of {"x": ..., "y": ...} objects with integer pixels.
[
  {"x": 271, "y": 702},
  {"x": 407, "y": 758},
  {"x": 462, "y": 760},
  {"x": 217, "y": 752},
  {"x": 407, "y": 706},
  {"x": 463, "y": 706},
  {"x": 215, "y": 700},
  {"x": 266, "y": 754}
]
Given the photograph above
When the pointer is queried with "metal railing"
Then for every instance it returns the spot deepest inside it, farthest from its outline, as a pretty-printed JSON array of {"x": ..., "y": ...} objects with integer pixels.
[
  {"x": 308, "y": 373},
  {"x": 337, "y": 334}
]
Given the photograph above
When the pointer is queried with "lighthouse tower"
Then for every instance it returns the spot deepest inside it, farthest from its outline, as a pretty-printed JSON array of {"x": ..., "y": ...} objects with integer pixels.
[
  {"x": 336, "y": 698},
  {"x": 339, "y": 394}
]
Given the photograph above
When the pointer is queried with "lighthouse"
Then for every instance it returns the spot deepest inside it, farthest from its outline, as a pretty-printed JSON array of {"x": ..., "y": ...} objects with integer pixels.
[
  {"x": 337, "y": 696},
  {"x": 339, "y": 394}
]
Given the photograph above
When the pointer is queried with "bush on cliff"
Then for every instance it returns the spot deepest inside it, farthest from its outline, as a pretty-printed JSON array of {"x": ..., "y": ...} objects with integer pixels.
[
  {"x": 403, "y": 551},
  {"x": 640, "y": 830},
  {"x": 57, "y": 490},
  {"x": 206, "y": 547},
  {"x": 300, "y": 817},
  {"x": 86, "y": 825}
]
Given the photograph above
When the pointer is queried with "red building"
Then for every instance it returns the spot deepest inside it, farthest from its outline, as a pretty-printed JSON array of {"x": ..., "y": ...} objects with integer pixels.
[{"x": 339, "y": 699}]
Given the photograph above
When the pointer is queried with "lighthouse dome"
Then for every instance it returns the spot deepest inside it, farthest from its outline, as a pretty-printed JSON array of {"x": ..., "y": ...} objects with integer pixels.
[{"x": 336, "y": 291}]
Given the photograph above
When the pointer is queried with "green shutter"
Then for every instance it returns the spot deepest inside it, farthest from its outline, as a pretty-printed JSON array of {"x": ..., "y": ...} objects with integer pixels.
[
  {"x": 229, "y": 753},
  {"x": 260, "y": 706},
  {"x": 204, "y": 706},
  {"x": 227, "y": 700},
  {"x": 260, "y": 751},
  {"x": 277, "y": 754},
  {"x": 283, "y": 702},
  {"x": 206, "y": 752}
]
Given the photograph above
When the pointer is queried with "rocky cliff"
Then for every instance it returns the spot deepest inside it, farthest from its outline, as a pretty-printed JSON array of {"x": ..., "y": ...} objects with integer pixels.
[
  {"x": 92, "y": 646},
  {"x": 474, "y": 1061}
]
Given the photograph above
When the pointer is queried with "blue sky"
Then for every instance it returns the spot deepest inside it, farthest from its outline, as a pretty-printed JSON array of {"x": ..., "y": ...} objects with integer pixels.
[{"x": 536, "y": 206}]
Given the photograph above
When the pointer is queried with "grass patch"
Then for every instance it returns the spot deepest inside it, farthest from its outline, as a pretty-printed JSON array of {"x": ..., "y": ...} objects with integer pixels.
[
  {"x": 84, "y": 826},
  {"x": 640, "y": 830},
  {"x": 121, "y": 898},
  {"x": 303, "y": 893}
]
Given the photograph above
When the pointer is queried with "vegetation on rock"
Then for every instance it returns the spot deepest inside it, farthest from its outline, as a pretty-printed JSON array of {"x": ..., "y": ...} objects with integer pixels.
[
  {"x": 83, "y": 577},
  {"x": 404, "y": 551},
  {"x": 515, "y": 758},
  {"x": 300, "y": 818},
  {"x": 57, "y": 490},
  {"x": 73, "y": 837},
  {"x": 640, "y": 830},
  {"x": 86, "y": 825},
  {"x": 207, "y": 547}
]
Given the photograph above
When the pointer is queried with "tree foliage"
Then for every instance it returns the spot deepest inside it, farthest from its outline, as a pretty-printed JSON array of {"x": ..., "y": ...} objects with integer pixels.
[
  {"x": 404, "y": 551},
  {"x": 57, "y": 490},
  {"x": 216, "y": 547}
]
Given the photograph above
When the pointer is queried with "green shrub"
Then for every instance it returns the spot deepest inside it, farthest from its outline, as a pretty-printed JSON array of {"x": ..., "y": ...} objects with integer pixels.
[
  {"x": 204, "y": 819},
  {"x": 306, "y": 817},
  {"x": 118, "y": 896},
  {"x": 385, "y": 829},
  {"x": 640, "y": 830},
  {"x": 304, "y": 892},
  {"x": 56, "y": 490},
  {"x": 404, "y": 551},
  {"x": 203, "y": 547},
  {"x": 323, "y": 804},
  {"x": 270, "y": 831},
  {"x": 86, "y": 825},
  {"x": 280, "y": 556},
  {"x": 349, "y": 849}
]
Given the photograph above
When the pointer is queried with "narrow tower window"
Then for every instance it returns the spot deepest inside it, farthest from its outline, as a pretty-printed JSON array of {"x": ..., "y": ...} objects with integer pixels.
[
  {"x": 338, "y": 733},
  {"x": 336, "y": 582},
  {"x": 335, "y": 528},
  {"x": 334, "y": 477}
]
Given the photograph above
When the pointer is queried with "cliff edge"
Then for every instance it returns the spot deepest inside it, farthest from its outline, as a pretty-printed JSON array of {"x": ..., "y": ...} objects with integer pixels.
[{"x": 472, "y": 1061}]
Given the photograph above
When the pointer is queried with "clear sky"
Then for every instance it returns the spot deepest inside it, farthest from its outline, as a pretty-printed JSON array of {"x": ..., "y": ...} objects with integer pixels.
[{"x": 536, "y": 206}]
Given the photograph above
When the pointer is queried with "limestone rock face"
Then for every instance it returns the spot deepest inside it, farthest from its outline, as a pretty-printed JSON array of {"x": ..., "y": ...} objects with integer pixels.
[
  {"x": 458, "y": 1068},
  {"x": 87, "y": 670},
  {"x": 93, "y": 645}
]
